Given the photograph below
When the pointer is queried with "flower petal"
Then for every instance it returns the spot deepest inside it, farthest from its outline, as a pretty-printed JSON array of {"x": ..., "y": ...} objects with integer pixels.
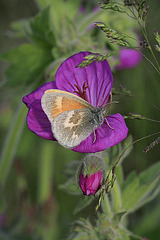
[
  {"x": 97, "y": 76},
  {"x": 38, "y": 121},
  {"x": 105, "y": 136},
  {"x": 37, "y": 94}
]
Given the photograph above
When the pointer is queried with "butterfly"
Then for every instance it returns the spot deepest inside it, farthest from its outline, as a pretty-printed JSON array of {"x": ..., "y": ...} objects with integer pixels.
[{"x": 72, "y": 118}]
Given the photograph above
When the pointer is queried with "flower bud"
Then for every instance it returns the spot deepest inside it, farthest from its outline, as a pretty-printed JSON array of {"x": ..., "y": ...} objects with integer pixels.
[{"x": 91, "y": 174}]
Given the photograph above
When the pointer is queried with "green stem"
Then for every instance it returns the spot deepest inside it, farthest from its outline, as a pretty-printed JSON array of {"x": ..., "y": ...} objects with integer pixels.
[
  {"x": 45, "y": 171},
  {"x": 150, "y": 48},
  {"x": 106, "y": 206},
  {"x": 138, "y": 140},
  {"x": 143, "y": 29},
  {"x": 11, "y": 142},
  {"x": 116, "y": 197}
]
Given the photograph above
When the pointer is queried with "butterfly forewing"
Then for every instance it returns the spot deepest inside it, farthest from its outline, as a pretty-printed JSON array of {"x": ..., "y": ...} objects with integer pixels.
[
  {"x": 72, "y": 127},
  {"x": 55, "y": 102}
]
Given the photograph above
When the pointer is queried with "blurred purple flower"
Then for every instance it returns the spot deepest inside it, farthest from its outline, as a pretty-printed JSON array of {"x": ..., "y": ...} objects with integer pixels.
[
  {"x": 98, "y": 79},
  {"x": 129, "y": 58},
  {"x": 90, "y": 184}
]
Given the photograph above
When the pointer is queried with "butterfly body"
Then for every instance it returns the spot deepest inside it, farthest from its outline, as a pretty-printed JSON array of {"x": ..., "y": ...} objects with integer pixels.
[{"x": 72, "y": 118}]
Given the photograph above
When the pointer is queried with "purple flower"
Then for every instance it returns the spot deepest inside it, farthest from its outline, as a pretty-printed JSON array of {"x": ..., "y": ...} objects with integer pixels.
[
  {"x": 129, "y": 58},
  {"x": 90, "y": 184},
  {"x": 93, "y": 83}
]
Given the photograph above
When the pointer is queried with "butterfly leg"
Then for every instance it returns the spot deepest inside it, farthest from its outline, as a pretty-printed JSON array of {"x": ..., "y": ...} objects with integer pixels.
[
  {"x": 94, "y": 132},
  {"x": 108, "y": 124}
]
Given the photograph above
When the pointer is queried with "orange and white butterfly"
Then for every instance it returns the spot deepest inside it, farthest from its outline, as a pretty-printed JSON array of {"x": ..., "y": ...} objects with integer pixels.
[{"x": 72, "y": 118}]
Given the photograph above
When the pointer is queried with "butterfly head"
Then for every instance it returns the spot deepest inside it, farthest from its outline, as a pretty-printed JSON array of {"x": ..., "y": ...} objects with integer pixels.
[{"x": 98, "y": 116}]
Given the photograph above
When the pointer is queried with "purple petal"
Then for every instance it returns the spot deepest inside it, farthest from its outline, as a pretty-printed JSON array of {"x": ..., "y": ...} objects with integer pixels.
[
  {"x": 38, "y": 121},
  {"x": 129, "y": 58},
  {"x": 37, "y": 94},
  {"x": 105, "y": 136},
  {"x": 97, "y": 76}
]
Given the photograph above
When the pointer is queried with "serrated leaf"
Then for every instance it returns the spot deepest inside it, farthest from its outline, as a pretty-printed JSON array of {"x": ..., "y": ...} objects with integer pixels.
[
  {"x": 39, "y": 30},
  {"x": 28, "y": 62},
  {"x": 138, "y": 188},
  {"x": 59, "y": 11},
  {"x": 18, "y": 28}
]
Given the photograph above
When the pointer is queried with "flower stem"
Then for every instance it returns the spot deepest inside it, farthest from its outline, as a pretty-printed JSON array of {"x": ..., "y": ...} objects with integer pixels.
[
  {"x": 106, "y": 206},
  {"x": 143, "y": 29}
]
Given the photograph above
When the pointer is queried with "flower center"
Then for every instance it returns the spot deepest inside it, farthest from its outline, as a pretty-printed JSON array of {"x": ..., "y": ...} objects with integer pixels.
[{"x": 81, "y": 93}]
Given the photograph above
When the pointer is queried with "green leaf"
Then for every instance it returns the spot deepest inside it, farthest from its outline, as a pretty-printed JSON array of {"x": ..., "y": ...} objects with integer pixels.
[
  {"x": 11, "y": 142},
  {"x": 140, "y": 189},
  {"x": 28, "y": 62},
  {"x": 116, "y": 197},
  {"x": 18, "y": 28},
  {"x": 40, "y": 30},
  {"x": 44, "y": 3},
  {"x": 150, "y": 174},
  {"x": 59, "y": 11},
  {"x": 117, "y": 218}
]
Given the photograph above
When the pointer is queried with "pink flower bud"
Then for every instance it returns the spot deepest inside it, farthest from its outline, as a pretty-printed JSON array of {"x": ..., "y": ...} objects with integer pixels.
[
  {"x": 91, "y": 174},
  {"x": 90, "y": 184}
]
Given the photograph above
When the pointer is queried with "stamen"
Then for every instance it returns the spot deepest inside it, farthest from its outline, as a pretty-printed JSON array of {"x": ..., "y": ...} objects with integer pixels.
[{"x": 81, "y": 93}]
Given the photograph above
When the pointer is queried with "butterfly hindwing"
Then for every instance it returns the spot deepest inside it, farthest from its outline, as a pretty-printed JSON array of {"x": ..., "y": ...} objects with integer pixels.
[{"x": 72, "y": 127}]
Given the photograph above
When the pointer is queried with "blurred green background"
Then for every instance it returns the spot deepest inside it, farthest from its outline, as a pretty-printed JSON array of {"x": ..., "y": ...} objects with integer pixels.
[{"x": 34, "y": 206}]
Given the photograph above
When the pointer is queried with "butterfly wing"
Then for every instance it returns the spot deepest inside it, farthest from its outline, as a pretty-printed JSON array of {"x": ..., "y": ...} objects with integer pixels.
[
  {"x": 55, "y": 102},
  {"x": 70, "y": 128}
]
